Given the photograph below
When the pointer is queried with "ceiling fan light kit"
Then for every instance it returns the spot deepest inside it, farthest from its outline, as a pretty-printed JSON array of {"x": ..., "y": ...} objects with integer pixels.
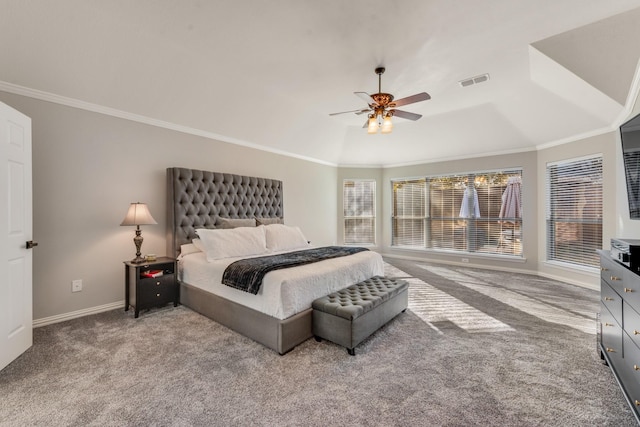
[{"x": 382, "y": 107}]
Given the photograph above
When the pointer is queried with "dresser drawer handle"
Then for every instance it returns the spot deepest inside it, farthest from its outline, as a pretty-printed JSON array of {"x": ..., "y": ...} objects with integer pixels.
[
  {"x": 611, "y": 324},
  {"x": 604, "y": 269},
  {"x": 628, "y": 290},
  {"x": 636, "y": 332},
  {"x": 157, "y": 283},
  {"x": 637, "y": 403},
  {"x": 608, "y": 299},
  {"x": 610, "y": 350},
  {"x": 636, "y": 368},
  {"x": 614, "y": 278}
]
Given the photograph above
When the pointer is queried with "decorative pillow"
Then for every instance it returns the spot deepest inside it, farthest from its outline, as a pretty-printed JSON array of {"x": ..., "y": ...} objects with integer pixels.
[
  {"x": 199, "y": 245},
  {"x": 189, "y": 248},
  {"x": 236, "y": 242},
  {"x": 282, "y": 237},
  {"x": 237, "y": 222},
  {"x": 269, "y": 221}
]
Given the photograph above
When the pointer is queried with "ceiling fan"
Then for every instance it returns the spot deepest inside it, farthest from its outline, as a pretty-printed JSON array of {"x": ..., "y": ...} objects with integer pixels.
[{"x": 381, "y": 107}]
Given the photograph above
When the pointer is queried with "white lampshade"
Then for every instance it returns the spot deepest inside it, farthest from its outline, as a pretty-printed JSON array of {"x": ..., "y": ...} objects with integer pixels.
[
  {"x": 138, "y": 214},
  {"x": 387, "y": 125},
  {"x": 373, "y": 125}
]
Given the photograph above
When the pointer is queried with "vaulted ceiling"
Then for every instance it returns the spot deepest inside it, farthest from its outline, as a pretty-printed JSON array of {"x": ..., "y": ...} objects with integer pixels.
[{"x": 268, "y": 73}]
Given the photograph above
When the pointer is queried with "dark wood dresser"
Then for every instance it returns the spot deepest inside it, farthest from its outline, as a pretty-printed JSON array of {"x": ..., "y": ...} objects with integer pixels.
[{"x": 620, "y": 326}]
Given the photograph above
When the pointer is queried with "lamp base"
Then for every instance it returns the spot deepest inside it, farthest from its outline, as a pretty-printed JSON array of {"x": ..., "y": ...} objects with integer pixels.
[{"x": 138, "y": 242}]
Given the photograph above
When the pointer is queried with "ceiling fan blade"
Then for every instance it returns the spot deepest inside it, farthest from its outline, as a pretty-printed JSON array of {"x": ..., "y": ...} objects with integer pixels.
[
  {"x": 367, "y": 98},
  {"x": 358, "y": 111},
  {"x": 406, "y": 114},
  {"x": 411, "y": 99}
]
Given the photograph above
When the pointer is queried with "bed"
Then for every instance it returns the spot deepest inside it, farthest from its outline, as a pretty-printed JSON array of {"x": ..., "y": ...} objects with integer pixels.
[{"x": 280, "y": 316}]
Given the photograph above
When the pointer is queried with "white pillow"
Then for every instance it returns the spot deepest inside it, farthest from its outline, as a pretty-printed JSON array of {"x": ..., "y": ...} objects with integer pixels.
[
  {"x": 233, "y": 242},
  {"x": 282, "y": 237}
]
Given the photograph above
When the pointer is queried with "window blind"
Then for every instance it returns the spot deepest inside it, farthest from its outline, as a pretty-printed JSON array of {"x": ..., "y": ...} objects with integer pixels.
[
  {"x": 409, "y": 212},
  {"x": 574, "y": 211},
  {"x": 359, "y": 206},
  {"x": 459, "y": 212}
]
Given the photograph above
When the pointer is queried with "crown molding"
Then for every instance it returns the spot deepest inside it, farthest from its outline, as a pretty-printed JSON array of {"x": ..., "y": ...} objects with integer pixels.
[{"x": 113, "y": 112}]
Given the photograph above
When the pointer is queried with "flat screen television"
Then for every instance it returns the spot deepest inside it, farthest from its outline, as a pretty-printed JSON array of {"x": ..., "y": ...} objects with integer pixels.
[{"x": 630, "y": 135}]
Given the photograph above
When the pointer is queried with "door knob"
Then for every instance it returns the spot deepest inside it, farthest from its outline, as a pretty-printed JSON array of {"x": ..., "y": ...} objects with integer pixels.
[{"x": 31, "y": 244}]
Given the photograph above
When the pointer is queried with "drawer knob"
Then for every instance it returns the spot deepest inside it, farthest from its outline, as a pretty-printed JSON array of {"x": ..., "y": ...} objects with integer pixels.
[
  {"x": 636, "y": 332},
  {"x": 637, "y": 403},
  {"x": 157, "y": 295},
  {"x": 157, "y": 283},
  {"x": 636, "y": 368},
  {"x": 609, "y": 324},
  {"x": 610, "y": 350},
  {"x": 615, "y": 278},
  {"x": 608, "y": 299}
]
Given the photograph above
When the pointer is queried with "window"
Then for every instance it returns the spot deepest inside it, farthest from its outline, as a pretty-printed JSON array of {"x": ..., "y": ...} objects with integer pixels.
[
  {"x": 409, "y": 207},
  {"x": 359, "y": 204},
  {"x": 462, "y": 213},
  {"x": 574, "y": 211}
]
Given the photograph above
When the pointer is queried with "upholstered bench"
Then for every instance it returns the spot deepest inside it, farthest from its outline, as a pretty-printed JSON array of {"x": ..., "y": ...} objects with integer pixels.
[{"x": 348, "y": 316}]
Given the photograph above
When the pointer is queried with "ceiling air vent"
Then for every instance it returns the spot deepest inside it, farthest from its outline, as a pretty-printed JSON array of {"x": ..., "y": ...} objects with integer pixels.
[{"x": 474, "y": 80}]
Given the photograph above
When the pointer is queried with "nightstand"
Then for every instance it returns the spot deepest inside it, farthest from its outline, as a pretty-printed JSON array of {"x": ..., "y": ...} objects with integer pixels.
[{"x": 150, "y": 284}]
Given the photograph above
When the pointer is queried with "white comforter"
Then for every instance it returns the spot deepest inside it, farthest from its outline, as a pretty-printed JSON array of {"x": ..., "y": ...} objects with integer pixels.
[{"x": 288, "y": 291}]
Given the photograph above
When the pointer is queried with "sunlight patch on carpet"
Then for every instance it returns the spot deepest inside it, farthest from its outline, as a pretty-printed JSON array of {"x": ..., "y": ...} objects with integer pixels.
[
  {"x": 531, "y": 306},
  {"x": 433, "y": 305}
]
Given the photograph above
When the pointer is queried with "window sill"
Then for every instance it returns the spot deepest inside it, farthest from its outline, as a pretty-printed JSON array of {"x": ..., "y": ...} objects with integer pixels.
[{"x": 458, "y": 254}]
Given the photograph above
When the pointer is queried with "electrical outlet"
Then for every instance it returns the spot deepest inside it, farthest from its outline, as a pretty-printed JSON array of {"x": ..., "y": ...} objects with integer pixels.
[
  {"x": 465, "y": 259},
  {"x": 76, "y": 285}
]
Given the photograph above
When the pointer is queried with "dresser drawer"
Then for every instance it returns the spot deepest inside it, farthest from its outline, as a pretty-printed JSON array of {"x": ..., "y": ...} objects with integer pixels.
[
  {"x": 612, "y": 301},
  {"x": 612, "y": 272},
  {"x": 631, "y": 322},
  {"x": 611, "y": 333},
  {"x": 629, "y": 375},
  {"x": 630, "y": 290}
]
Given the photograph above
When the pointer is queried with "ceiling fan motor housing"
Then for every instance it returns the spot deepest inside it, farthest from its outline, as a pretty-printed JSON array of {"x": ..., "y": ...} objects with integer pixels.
[{"x": 383, "y": 99}]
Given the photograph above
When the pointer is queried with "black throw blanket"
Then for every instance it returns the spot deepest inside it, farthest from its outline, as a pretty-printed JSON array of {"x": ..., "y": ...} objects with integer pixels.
[{"x": 247, "y": 274}]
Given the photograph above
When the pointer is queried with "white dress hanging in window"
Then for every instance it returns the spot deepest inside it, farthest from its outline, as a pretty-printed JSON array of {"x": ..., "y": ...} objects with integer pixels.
[{"x": 470, "y": 207}]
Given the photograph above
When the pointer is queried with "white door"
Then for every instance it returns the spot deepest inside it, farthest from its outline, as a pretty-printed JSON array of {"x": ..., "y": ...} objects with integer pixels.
[{"x": 16, "y": 334}]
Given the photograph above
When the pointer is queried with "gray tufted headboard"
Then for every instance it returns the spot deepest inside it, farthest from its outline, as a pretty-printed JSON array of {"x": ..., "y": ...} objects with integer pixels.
[{"x": 198, "y": 199}]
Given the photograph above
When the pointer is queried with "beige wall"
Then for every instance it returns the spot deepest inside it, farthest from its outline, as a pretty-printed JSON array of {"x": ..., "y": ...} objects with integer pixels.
[{"x": 88, "y": 167}]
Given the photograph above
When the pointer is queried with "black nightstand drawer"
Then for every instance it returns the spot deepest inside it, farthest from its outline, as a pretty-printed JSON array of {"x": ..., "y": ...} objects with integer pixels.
[{"x": 159, "y": 290}]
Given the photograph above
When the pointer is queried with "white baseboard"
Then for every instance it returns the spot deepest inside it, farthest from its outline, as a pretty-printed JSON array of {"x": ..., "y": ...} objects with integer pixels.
[{"x": 79, "y": 313}]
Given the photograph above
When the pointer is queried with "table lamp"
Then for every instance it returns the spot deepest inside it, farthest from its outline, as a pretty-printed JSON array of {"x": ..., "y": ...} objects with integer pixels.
[{"x": 138, "y": 215}]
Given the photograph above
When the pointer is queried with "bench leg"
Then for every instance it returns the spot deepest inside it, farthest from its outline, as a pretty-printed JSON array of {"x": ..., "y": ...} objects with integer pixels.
[{"x": 351, "y": 351}]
